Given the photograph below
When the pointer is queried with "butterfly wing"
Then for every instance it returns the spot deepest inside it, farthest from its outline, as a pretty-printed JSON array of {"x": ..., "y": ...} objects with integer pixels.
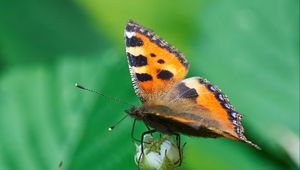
[
  {"x": 191, "y": 106},
  {"x": 204, "y": 107},
  {"x": 154, "y": 65}
]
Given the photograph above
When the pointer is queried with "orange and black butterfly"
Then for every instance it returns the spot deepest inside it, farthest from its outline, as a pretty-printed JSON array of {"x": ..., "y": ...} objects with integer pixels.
[{"x": 171, "y": 104}]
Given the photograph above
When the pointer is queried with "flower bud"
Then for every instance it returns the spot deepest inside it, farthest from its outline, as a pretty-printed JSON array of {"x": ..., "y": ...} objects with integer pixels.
[{"x": 159, "y": 154}]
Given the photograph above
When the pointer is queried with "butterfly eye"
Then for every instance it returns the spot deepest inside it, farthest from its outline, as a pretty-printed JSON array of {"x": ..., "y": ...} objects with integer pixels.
[{"x": 134, "y": 112}]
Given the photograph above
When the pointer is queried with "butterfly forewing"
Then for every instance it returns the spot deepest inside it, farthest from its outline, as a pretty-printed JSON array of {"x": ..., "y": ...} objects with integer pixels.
[{"x": 154, "y": 65}]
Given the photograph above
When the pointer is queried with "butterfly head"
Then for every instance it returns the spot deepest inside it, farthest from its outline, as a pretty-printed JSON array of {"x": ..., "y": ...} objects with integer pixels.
[{"x": 135, "y": 112}]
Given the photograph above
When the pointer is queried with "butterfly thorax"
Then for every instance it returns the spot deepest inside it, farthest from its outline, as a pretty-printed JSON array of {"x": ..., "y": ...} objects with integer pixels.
[{"x": 148, "y": 112}]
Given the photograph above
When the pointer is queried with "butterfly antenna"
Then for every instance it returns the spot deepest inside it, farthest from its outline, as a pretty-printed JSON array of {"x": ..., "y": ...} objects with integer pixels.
[
  {"x": 108, "y": 97},
  {"x": 112, "y": 127}
]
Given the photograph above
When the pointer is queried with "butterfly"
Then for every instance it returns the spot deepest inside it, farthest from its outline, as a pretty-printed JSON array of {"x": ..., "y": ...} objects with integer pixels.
[{"x": 171, "y": 104}]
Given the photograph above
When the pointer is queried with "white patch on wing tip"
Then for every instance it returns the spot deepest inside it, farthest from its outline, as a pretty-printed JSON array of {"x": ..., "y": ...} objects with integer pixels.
[
  {"x": 140, "y": 70},
  {"x": 193, "y": 83},
  {"x": 130, "y": 34}
]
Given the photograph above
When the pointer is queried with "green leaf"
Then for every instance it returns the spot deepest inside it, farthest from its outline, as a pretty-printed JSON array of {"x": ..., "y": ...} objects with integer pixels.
[
  {"x": 33, "y": 31},
  {"x": 47, "y": 120}
]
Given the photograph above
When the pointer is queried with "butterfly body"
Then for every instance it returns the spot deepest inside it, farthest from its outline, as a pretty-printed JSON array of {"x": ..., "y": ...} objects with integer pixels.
[
  {"x": 152, "y": 116},
  {"x": 171, "y": 104}
]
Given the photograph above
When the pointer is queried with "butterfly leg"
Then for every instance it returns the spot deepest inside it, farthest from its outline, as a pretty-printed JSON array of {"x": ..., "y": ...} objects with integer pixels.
[
  {"x": 133, "y": 129},
  {"x": 148, "y": 127},
  {"x": 178, "y": 141},
  {"x": 132, "y": 133},
  {"x": 142, "y": 144}
]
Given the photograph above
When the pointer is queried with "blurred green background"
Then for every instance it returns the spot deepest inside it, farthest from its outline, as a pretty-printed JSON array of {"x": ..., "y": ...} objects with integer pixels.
[{"x": 249, "y": 49}]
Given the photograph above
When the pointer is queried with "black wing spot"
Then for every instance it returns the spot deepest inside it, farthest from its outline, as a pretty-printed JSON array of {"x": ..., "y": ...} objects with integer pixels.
[
  {"x": 164, "y": 74},
  {"x": 152, "y": 55},
  {"x": 186, "y": 92},
  {"x": 133, "y": 41},
  {"x": 203, "y": 81},
  {"x": 161, "y": 61},
  {"x": 137, "y": 61},
  {"x": 143, "y": 77}
]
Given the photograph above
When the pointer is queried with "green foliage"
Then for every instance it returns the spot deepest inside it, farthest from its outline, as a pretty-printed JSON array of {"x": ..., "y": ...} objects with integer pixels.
[{"x": 250, "y": 49}]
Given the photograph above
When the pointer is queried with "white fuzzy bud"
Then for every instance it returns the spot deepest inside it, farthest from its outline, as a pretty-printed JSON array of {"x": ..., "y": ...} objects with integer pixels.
[{"x": 159, "y": 154}]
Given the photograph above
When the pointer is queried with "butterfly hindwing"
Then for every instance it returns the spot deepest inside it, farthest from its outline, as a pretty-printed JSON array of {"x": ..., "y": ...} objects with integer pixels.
[
  {"x": 154, "y": 65},
  {"x": 214, "y": 107}
]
